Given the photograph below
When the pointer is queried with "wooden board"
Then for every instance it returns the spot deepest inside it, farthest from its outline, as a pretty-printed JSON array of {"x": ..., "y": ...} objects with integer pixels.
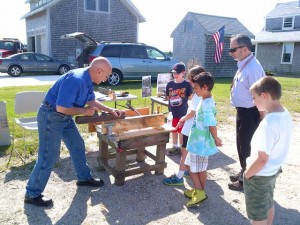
[
  {"x": 142, "y": 111},
  {"x": 133, "y": 123},
  {"x": 144, "y": 132},
  {"x": 128, "y": 112}
]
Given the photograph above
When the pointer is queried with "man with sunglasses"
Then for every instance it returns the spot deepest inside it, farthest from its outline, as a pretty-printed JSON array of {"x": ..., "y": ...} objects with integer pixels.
[
  {"x": 247, "y": 117},
  {"x": 72, "y": 94}
]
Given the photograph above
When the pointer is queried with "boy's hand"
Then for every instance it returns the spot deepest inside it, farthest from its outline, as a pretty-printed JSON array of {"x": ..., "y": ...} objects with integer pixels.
[
  {"x": 179, "y": 125},
  {"x": 218, "y": 142}
]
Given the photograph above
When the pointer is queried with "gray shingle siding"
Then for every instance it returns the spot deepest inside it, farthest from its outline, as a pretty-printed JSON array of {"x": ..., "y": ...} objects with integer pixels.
[
  {"x": 270, "y": 55},
  {"x": 270, "y": 42},
  {"x": 65, "y": 16},
  {"x": 199, "y": 45},
  {"x": 189, "y": 44},
  {"x": 227, "y": 67},
  {"x": 115, "y": 26},
  {"x": 297, "y": 23},
  {"x": 274, "y": 24},
  {"x": 36, "y": 20}
]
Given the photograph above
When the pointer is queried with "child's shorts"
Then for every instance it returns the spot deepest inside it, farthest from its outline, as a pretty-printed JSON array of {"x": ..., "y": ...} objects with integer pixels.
[
  {"x": 259, "y": 192},
  {"x": 196, "y": 163},
  {"x": 174, "y": 124},
  {"x": 184, "y": 140}
]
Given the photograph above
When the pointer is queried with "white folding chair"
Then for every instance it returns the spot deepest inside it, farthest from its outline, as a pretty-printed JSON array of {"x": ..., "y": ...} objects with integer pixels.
[{"x": 26, "y": 102}]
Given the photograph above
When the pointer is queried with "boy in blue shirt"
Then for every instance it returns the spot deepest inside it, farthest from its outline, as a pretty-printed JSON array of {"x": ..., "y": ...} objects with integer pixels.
[{"x": 203, "y": 139}]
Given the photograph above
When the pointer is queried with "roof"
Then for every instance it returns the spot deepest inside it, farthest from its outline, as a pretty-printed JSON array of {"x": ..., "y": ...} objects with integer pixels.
[
  {"x": 285, "y": 9},
  {"x": 211, "y": 24},
  {"x": 271, "y": 37},
  {"x": 131, "y": 7}
]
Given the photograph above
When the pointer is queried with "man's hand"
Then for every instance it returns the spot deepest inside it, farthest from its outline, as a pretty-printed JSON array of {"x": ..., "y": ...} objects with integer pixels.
[
  {"x": 90, "y": 110},
  {"x": 116, "y": 112}
]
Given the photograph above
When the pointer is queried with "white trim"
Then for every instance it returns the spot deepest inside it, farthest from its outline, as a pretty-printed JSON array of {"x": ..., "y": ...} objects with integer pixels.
[
  {"x": 97, "y": 7},
  {"x": 283, "y": 22},
  {"x": 292, "y": 53},
  {"x": 49, "y": 4}
]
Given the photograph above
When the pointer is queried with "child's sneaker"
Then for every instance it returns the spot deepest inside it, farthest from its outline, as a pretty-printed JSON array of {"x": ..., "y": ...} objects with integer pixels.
[
  {"x": 186, "y": 174},
  {"x": 197, "y": 197},
  {"x": 173, "y": 181},
  {"x": 189, "y": 193},
  {"x": 174, "y": 151}
]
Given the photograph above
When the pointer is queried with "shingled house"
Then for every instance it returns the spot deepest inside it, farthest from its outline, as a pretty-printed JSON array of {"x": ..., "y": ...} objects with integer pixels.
[
  {"x": 192, "y": 41},
  {"x": 108, "y": 20},
  {"x": 278, "y": 45}
]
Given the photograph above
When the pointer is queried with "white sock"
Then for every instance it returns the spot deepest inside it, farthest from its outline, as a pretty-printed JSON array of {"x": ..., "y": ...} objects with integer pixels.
[
  {"x": 180, "y": 174},
  {"x": 179, "y": 146}
]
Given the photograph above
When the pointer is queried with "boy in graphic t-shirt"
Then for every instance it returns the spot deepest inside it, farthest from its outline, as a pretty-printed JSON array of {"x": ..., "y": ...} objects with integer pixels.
[{"x": 178, "y": 92}]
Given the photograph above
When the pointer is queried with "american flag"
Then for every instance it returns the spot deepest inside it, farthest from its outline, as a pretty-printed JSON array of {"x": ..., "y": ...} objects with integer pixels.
[{"x": 219, "y": 40}]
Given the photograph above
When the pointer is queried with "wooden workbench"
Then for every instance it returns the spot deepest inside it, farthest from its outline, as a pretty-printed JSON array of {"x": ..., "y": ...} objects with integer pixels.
[{"x": 131, "y": 136}]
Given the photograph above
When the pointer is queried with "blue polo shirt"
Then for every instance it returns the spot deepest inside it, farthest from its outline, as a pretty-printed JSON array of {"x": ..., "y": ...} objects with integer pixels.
[{"x": 73, "y": 89}]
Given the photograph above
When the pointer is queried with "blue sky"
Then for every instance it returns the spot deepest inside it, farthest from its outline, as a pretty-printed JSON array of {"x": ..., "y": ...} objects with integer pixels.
[{"x": 162, "y": 16}]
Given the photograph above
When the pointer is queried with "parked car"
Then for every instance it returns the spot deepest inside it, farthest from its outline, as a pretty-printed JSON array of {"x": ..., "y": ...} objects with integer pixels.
[
  {"x": 130, "y": 61},
  {"x": 10, "y": 46},
  {"x": 27, "y": 62}
]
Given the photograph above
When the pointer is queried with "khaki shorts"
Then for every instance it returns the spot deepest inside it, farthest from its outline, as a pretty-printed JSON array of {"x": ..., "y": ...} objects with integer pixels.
[
  {"x": 196, "y": 163},
  {"x": 259, "y": 192}
]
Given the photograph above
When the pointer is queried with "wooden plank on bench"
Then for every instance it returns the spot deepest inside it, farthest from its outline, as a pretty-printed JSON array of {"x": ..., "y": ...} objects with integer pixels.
[{"x": 136, "y": 122}]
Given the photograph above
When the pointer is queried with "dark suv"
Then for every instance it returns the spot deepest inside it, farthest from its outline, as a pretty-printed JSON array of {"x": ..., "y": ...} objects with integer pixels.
[{"x": 130, "y": 61}]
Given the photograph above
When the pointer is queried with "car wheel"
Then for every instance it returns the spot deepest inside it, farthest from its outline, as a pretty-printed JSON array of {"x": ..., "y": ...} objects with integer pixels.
[
  {"x": 115, "y": 78},
  {"x": 15, "y": 71},
  {"x": 63, "y": 69}
]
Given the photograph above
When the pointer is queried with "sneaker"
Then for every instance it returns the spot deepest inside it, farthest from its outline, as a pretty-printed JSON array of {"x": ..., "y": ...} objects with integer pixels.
[
  {"x": 236, "y": 177},
  {"x": 197, "y": 197},
  {"x": 236, "y": 186},
  {"x": 39, "y": 201},
  {"x": 93, "y": 182},
  {"x": 173, "y": 181},
  {"x": 189, "y": 193},
  {"x": 186, "y": 174},
  {"x": 174, "y": 151}
]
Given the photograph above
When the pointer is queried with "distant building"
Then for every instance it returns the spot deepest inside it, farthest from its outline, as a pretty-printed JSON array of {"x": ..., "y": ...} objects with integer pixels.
[
  {"x": 102, "y": 20},
  {"x": 192, "y": 40},
  {"x": 278, "y": 45}
]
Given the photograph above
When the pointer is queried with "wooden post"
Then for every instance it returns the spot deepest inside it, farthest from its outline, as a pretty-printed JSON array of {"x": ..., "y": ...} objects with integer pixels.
[{"x": 160, "y": 157}]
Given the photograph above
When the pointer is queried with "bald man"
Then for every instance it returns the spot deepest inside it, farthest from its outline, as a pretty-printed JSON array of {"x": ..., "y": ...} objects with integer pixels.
[{"x": 72, "y": 94}]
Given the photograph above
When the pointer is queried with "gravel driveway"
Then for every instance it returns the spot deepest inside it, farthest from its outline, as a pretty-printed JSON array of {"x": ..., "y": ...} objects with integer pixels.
[{"x": 144, "y": 199}]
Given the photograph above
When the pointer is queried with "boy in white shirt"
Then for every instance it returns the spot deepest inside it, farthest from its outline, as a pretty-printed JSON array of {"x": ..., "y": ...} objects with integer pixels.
[{"x": 269, "y": 150}]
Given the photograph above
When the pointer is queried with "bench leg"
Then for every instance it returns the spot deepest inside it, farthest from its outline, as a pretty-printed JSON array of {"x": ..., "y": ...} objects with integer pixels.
[
  {"x": 140, "y": 156},
  {"x": 103, "y": 154},
  {"x": 120, "y": 168},
  {"x": 160, "y": 158}
]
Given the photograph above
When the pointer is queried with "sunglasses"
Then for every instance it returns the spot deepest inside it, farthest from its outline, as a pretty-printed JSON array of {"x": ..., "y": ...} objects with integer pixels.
[{"x": 234, "y": 49}]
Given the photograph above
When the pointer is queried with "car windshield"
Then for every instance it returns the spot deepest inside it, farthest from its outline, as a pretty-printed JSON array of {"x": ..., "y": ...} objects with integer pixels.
[
  {"x": 155, "y": 54},
  {"x": 6, "y": 45}
]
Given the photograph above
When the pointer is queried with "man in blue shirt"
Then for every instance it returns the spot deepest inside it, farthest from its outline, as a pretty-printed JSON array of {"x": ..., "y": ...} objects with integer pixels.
[
  {"x": 247, "y": 114},
  {"x": 72, "y": 94}
]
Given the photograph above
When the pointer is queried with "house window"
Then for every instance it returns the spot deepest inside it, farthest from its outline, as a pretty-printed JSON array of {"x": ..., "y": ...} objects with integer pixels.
[
  {"x": 188, "y": 25},
  {"x": 97, "y": 5},
  {"x": 287, "y": 53},
  {"x": 288, "y": 23},
  {"x": 39, "y": 3}
]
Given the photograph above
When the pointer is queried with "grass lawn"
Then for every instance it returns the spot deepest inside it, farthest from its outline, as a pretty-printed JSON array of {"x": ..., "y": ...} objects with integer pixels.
[{"x": 221, "y": 92}]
